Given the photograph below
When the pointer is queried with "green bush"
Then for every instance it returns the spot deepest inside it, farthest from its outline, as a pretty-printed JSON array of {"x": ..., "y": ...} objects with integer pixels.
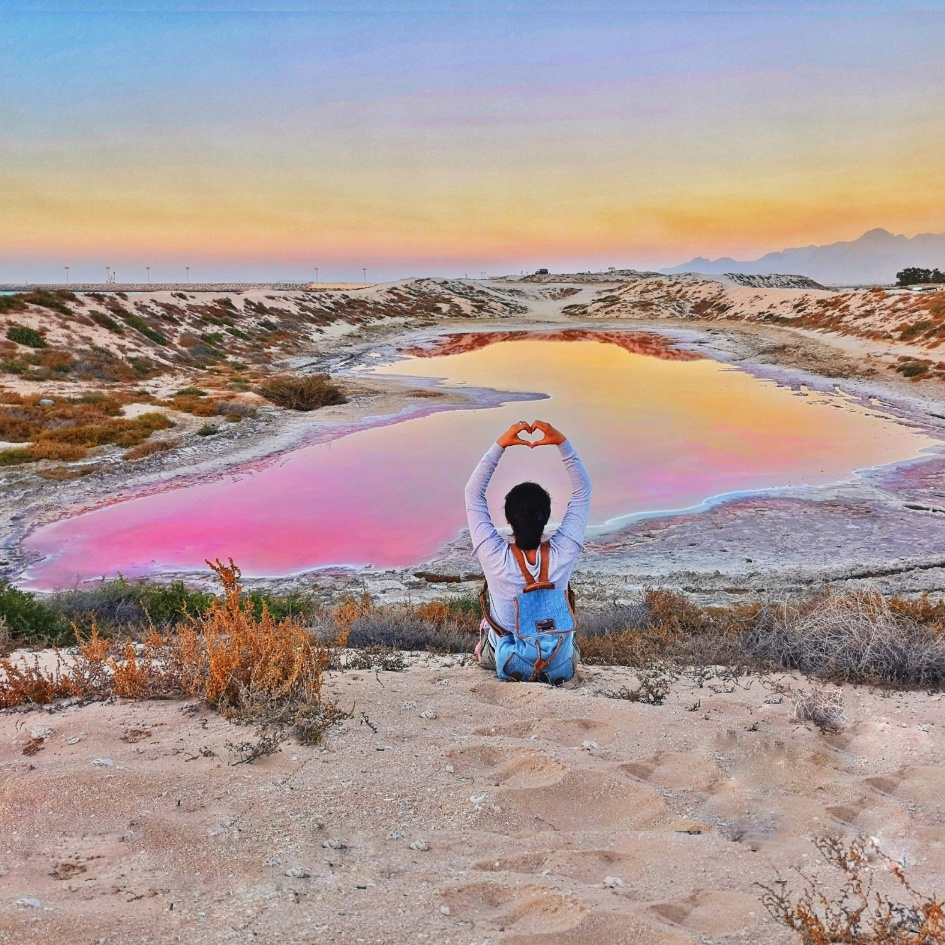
[
  {"x": 106, "y": 321},
  {"x": 912, "y": 369},
  {"x": 26, "y": 336},
  {"x": 302, "y": 393},
  {"x": 16, "y": 457},
  {"x": 30, "y": 620},
  {"x": 191, "y": 392},
  {"x": 139, "y": 324}
]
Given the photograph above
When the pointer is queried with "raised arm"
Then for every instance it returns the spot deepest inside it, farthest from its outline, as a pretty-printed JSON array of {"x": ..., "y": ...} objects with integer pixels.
[
  {"x": 574, "y": 523},
  {"x": 481, "y": 529}
]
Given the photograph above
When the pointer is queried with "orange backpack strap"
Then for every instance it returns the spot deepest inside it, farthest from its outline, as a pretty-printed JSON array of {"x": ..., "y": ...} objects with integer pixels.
[
  {"x": 484, "y": 603},
  {"x": 530, "y": 583}
]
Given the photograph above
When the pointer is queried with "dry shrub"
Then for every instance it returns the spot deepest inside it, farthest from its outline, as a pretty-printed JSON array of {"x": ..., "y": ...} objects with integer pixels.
[
  {"x": 65, "y": 473},
  {"x": 251, "y": 669},
  {"x": 855, "y": 636},
  {"x": 308, "y": 392},
  {"x": 347, "y": 612},
  {"x": 854, "y": 912},
  {"x": 262, "y": 670},
  {"x": 64, "y": 452},
  {"x": 666, "y": 626},
  {"x": 823, "y": 707},
  {"x": 150, "y": 447}
]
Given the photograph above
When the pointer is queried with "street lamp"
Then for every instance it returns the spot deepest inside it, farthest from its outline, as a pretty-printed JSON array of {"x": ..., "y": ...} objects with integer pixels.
[
  {"x": 67, "y": 274},
  {"x": 188, "y": 274},
  {"x": 149, "y": 274},
  {"x": 364, "y": 270},
  {"x": 108, "y": 274},
  {"x": 316, "y": 275}
]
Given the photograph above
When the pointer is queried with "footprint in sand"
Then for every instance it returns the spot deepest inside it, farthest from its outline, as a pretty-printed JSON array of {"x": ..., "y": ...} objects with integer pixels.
[
  {"x": 515, "y": 768},
  {"x": 585, "y": 800},
  {"x": 676, "y": 769},
  {"x": 530, "y": 909},
  {"x": 589, "y": 867},
  {"x": 709, "y": 912}
]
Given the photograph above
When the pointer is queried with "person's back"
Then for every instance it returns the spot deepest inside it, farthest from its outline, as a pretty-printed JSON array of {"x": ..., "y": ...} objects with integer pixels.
[{"x": 527, "y": 510}]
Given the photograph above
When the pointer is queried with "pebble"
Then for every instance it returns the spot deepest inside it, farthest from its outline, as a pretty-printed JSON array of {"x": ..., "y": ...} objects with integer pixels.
[
  {"x": 29, "y": 902},
  {"x": 42, "y": 731},
  {"x": 428, "y": 714},
  {"x": 297, "y": 872},
  {"x": 444, "y": 910},
  {"x": 46, "y": 402},
  {"x": 410, "y": 706},
  {"x": 74, "y": 740},
  {"x": 334, "y": 843},
  {"x": 395, "y": 835},
  {"x": 477, "y": 799},
  {"x": 103, "y": 763},
  {"x": 590, "y": 746},
  {"x": 444, "y": 682},
  {"x": 421, "y": 846},
  {"x": 450, "y": 769},
  {"x": 613, "y": 882},
  {"x": 273, "y": 861}
]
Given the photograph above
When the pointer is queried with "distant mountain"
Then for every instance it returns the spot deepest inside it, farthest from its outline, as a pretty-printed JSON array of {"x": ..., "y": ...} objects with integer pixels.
[{"x": 875, "y": 257}]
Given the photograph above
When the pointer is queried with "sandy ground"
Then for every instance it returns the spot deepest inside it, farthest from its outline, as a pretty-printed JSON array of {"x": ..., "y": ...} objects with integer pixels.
[{"x": 453, "y": 808}]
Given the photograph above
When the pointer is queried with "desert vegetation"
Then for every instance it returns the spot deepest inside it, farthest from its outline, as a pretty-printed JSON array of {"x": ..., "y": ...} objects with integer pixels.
[
  {"x": 305, "y": 392},
  {"x": 237, "y": 657},
  {"x": 865, "y": 900},
  {"x": 848, "y": 637}
]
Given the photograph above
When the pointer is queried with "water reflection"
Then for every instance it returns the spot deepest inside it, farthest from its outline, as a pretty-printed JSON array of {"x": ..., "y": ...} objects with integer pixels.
[{"x": 658, "y": 430}]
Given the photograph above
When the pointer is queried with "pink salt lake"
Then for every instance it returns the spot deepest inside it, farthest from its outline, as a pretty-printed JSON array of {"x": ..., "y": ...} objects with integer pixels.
[{"x": 659, "y": 430}]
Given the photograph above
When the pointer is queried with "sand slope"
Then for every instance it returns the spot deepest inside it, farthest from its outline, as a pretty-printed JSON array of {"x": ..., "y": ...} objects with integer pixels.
[{"x": 528, "y": 798}]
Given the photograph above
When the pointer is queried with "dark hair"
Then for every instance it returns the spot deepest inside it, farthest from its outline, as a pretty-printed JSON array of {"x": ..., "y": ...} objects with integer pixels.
[{"x": 527, "y": 510}]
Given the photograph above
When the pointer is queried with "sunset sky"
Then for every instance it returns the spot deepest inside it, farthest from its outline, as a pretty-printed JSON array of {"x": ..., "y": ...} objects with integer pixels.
[{"x": 260, "y": 140}]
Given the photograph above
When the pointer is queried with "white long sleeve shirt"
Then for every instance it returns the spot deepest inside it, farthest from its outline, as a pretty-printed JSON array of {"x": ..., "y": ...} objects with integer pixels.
[{"x": 494, "y": 552}]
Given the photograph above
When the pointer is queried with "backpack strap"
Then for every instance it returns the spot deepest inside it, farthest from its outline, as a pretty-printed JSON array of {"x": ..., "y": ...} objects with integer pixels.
[
  {"x": 531, "y": 584},
  {"x": 484, "y": 604}
]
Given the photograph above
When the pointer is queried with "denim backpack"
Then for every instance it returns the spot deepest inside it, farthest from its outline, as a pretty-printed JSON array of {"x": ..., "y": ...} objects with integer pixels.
[{"x": 541, "y": 648}]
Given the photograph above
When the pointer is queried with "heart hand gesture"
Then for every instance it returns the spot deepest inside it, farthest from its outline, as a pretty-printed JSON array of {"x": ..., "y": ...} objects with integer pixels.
[
  {"x": 552, "y": 437},
  {"x": 512, "y": 436}
]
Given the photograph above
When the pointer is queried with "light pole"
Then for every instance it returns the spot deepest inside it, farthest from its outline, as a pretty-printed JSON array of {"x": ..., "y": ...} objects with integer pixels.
[
  {"x": 188, "y": 274},
  {"x": 67, "y": 274},
  {"x": 108, "y": 274},
  {"x": 316, "y": 275},
  {"x": 364, "y": 270},
  {"x": 149, "y": 274}
]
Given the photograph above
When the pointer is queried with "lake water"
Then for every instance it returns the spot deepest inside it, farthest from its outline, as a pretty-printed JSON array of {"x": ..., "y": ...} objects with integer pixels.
[{"x": 659, "y": 429}]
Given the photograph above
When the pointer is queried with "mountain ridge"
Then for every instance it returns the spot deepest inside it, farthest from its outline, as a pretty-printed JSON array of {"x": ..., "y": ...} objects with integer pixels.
[{"x": 874, "y": 257}]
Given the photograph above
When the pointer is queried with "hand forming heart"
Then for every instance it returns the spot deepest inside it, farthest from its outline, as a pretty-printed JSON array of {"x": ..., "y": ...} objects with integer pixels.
[{"x": 513, "y": 436}]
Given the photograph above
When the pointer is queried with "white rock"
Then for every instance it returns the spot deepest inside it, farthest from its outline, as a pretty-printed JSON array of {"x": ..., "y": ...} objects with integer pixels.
[
  {"x": 334, "y": 843},
  {"x": 613, "y": 882},
  {"x": 410, "y": 706},
  {"x": 297, "y": 872},
  {"x": 444, "y": 682},
  {"x": 273, "y": 861},
  {"x": 590, "y": 746},
  {"x": 74, "y": 740},
  {"x": 29, "y": 902},
  {"x": 395, "y": 835},
  {"x": 103, "y": 763},
  {"x": 41, "y": 731},
  {"x": 444, "y": 910},
  {"x": 421, "y": 846},
  {"x": 449, "y": 769},
  {"x": 428, "y": 714},
  {"x": 477, "y": 799}
]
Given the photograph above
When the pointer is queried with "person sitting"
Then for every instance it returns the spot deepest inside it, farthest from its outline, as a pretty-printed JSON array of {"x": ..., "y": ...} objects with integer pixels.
[{"x": 527, "y": 510}]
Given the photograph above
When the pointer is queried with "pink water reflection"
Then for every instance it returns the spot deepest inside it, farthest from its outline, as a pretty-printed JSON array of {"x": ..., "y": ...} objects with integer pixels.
[{"x": 656, "y": 434}]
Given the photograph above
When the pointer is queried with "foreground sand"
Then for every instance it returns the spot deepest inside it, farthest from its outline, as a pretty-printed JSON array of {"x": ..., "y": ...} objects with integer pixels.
[{"x": 550, "y": 816}]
